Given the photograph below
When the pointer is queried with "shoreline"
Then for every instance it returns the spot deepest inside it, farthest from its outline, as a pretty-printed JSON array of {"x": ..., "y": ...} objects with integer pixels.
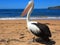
[{"x": 32, "y": 18}]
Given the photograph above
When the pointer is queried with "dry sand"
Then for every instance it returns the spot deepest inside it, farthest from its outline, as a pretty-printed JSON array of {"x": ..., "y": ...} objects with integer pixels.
[{"x": 14, "y": 32}]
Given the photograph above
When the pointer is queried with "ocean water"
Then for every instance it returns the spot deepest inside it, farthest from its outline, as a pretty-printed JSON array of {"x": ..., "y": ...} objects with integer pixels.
[{"x": 36, "y": 14}]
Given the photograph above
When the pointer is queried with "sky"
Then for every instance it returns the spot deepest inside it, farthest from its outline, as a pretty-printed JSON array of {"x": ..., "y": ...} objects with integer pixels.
[{"x": 21, "y": 4}]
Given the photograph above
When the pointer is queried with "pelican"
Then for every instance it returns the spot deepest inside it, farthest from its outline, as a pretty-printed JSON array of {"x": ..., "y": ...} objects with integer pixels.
[{"x": 38, "y": 29}]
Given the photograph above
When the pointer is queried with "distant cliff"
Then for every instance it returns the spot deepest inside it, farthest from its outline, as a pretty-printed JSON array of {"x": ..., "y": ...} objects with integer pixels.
[{"x": 55, "y": 7}]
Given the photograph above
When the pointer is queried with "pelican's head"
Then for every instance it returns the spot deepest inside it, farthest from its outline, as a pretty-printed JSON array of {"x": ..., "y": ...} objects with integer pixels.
[
  {"x": 31, "y": 0},
  {"x": 28, "y": 7}
]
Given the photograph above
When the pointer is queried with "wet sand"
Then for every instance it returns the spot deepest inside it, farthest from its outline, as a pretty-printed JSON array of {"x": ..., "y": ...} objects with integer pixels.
[{"x": 15, "y": 32}]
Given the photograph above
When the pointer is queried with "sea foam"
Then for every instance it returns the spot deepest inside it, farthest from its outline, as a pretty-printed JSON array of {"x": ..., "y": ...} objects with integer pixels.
[{"x": 19, "y": 18}]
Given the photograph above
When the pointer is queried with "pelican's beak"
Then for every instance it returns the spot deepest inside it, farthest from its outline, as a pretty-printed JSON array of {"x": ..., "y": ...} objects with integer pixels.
[{"x": 26, "y": 9}]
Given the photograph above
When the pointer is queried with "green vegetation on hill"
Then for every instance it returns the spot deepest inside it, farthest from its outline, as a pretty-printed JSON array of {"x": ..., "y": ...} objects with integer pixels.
[{"x": 55, "y": 7}]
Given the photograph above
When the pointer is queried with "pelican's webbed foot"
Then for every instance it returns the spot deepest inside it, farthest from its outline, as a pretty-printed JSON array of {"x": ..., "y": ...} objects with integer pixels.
[{"x": 32, "y": 40}]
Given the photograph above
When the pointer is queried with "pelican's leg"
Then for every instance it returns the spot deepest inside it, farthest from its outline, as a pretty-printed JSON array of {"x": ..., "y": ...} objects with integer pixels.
[{"x": 33, "y": 39}]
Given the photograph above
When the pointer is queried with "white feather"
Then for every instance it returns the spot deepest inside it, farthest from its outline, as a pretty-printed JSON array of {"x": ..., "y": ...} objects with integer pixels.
[{"x": 33, "y": 27}]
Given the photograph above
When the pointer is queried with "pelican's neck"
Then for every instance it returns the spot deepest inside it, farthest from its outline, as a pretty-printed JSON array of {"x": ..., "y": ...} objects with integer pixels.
[
  {"x": 28, "y": 17},
  {"x": 29, "y": 13}
]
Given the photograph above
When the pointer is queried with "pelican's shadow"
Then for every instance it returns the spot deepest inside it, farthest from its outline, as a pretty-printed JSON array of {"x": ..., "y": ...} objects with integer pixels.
[{"x": 39, "y": 40}]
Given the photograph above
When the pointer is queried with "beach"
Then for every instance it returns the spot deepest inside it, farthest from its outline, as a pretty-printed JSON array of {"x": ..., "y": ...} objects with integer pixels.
[{"x": 15, "y": 32}]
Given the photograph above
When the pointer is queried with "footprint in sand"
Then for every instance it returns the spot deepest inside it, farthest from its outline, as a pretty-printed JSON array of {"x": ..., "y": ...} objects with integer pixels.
[
  {"x": 3, "y": 42},
  {"x": 13, "y": 42}
]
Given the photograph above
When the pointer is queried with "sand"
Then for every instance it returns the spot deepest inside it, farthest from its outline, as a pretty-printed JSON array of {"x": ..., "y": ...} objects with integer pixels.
[{"x": 15, "y": 32}]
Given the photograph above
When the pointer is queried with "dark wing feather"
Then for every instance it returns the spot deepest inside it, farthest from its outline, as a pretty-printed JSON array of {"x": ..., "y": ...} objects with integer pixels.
[{"x": 44, "y": 29}]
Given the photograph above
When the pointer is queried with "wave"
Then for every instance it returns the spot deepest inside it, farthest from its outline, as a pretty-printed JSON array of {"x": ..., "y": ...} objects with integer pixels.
[{"x": 19, "y": 18}]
